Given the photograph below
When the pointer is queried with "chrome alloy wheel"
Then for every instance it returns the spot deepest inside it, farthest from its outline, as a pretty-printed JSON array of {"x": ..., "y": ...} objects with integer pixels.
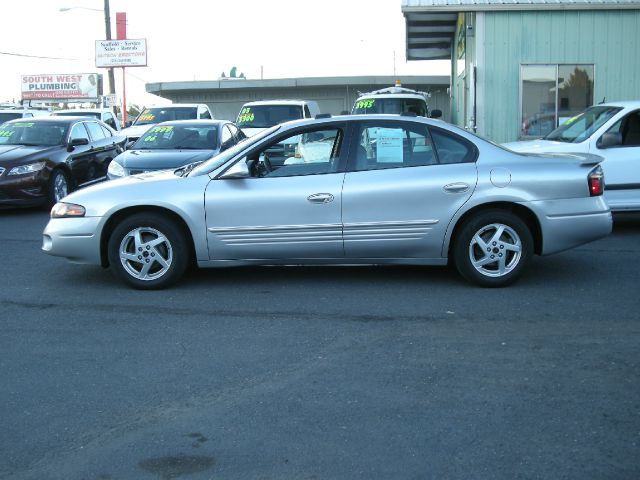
[
  {"x": 495, "y": 250},
  {"x": 146, "y": 253},
  {"x": 60, "y": 187}
]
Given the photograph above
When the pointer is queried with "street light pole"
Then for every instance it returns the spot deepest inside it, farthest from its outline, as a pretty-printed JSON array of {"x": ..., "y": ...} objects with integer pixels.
[{"x": 107, "y": 26}]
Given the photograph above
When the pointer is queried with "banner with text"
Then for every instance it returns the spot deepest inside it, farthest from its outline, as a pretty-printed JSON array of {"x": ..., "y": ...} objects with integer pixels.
[
  {"x": 121, "y": 53},
  {"x": 83, "y": 86}
]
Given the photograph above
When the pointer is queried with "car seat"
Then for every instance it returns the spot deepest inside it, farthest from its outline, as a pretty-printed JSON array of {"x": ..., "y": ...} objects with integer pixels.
[{"x": 631, "y": 135}]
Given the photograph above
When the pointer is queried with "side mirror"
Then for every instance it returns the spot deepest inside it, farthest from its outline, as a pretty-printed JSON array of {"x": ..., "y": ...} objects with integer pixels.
[
  {"x": 128, "y": 123},
  {"x": 75, "y": 142},
  {"x": 609, "y": 139},
  {"x": 129, "y": 144},
  {"x": 238, "y": 170},
  {"x": 435, "y": 113}
]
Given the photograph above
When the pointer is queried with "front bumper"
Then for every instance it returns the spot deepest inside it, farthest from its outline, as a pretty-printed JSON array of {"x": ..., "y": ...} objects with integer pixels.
[
  {"x": 76, "y": 239},
  {"x": 24, "y": 190}
]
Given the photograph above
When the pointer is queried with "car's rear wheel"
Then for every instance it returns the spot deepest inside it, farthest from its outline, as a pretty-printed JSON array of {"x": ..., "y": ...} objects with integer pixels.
[
  {"x": 148, "y": 251},
  {"x": 59, "y": 186},
  {"x": 492, "y": 248}
]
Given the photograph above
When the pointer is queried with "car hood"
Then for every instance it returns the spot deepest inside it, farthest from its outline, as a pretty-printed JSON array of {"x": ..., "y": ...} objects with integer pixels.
[
  {"x": 162, "y": 159},
  {"x": 135, "y": 131},
  {"x": 543, "y": 146},
  {"x": 18, "y": 154}
]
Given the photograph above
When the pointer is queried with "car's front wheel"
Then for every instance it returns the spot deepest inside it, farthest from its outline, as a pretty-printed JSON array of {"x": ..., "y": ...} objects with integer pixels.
[
  {"x": 58, "y": 186},
  {"x": 148, "y": 251},
  {"x": 492, "y": 248}
]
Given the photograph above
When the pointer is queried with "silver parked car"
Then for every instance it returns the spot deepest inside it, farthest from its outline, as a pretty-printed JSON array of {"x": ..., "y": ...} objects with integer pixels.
[{"x": 378, "y": 189}]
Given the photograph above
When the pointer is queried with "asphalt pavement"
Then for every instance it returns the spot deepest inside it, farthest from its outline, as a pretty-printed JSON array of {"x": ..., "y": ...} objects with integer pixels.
[{"x": 320, "y": 372}]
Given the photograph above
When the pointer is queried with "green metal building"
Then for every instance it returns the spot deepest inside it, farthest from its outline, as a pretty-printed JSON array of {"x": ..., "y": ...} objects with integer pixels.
[{"x": 521, "y": 67}]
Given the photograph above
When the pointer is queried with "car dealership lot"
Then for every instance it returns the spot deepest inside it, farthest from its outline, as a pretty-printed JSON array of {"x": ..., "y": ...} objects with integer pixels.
[{"x": 275, "y": 372}]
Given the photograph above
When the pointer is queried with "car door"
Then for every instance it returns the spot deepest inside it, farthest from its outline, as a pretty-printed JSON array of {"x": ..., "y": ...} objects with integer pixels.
[
  {"x": 80, "y": 157},
  {"x": 622, "y": 164},
  {"x": 404, "y": 183},
  {"x": 289, "y": 208},
  {"x": 104, "y": 148}
]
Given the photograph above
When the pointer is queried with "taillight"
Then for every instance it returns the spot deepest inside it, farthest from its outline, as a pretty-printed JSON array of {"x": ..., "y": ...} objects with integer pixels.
[{"x": 596, "y": 181}]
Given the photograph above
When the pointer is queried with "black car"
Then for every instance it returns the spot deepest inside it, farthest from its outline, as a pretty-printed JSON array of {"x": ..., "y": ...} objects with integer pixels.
[{"x": 43, "y": 159}]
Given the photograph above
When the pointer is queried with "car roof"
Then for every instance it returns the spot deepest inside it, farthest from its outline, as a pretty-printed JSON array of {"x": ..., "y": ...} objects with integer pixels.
[
  {"x": 80, "y": 110},
  {"x": 176, "y": 105},
  {"x": 54, "y": 119},
  {"x": 622, "y": 103}
]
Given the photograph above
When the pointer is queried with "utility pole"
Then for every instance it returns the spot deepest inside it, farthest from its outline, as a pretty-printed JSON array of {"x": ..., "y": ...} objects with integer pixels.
[{"x": 107, "y": 26}]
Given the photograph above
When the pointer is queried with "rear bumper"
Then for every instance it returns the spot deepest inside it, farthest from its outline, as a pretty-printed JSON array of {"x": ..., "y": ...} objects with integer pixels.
[
  {"x": 568, "y": 223},
  {"x": 76, "y": 239}
]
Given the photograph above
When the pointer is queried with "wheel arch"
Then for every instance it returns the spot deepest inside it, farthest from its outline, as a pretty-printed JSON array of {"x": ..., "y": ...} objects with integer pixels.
[
  {"x": 524, "y": 213},
  {"x": 118, "y": 216}
]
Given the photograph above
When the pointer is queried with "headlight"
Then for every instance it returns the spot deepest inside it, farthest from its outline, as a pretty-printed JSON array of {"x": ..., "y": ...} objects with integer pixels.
[
  {"x": 65, "y": 210},
  {"x": 115, "y": 169},
  {"x": 30, "y": 168}
]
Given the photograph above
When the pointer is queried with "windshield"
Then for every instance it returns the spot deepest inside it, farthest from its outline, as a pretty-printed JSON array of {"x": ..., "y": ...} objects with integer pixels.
[
  {"x": 150, "y": 116},
  {"x": 390, "y": 105},
  {"x": 227, "y": 155},
  {"x": 169, "y": 137},
  {"x": 580, "y": 127},
  {"x": 32, "y": 133},
  {"x": 79, "y": 113},
  {"x": 264, "y": 116}
]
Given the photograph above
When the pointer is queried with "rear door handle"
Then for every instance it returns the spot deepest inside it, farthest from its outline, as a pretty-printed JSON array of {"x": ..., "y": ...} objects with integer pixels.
[
  {"x": 456, "y": 187},
  {"x": 320, "y": 198}
]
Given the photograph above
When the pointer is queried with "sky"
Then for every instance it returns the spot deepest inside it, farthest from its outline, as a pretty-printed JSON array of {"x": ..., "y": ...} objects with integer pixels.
[{"x": 199, "y": 39}]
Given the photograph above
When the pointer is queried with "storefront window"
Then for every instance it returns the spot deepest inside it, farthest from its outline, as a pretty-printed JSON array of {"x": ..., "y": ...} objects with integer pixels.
[{"x": 551, "y": 94}]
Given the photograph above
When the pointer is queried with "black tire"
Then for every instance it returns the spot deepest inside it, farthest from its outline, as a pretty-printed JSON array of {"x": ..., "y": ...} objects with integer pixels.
[
  {"x": 59, "y": 186},
  {"x": 148, "y": 251},
  {"x": 492, "y": 248}
]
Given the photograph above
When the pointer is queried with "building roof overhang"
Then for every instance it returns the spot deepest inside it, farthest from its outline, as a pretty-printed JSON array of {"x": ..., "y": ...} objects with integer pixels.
[{"x": 431, "y": 24}]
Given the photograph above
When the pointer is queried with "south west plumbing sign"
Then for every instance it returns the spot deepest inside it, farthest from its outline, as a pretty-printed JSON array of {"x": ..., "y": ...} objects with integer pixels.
[
  {"x": 121, "y": 53},
  {"x": 82, "y": 86}
]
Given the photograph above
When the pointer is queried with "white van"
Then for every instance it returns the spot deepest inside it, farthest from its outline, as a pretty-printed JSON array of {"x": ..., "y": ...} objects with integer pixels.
[
  {"x": 255, "y": 117},
  {"x": 151, "y": 116},
  {"x": 395, "y": 100}
]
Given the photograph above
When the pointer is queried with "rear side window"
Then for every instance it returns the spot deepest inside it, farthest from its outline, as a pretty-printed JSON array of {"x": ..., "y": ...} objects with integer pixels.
[
  {"x": 451, "y": 148},
  {"x": 95, "y": 130}
]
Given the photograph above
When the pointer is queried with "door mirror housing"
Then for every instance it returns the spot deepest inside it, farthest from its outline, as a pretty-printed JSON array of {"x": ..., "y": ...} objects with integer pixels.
[
  {"x": 75, "y": 142},
  {"x": 609, "y": 140},
  {"x": 435, "y": 113},
  {"x": 238, "y": 170}
]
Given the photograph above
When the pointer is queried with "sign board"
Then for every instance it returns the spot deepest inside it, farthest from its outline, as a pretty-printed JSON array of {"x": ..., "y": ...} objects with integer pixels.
[
  {"x": 110, "y": 100},
  {"x": 80, "y": 86},
  {"x": 121, "y": 53}
]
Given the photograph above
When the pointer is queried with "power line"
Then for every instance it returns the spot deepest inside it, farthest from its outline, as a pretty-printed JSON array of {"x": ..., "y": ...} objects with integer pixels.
[{"x": 38, "y": 56}]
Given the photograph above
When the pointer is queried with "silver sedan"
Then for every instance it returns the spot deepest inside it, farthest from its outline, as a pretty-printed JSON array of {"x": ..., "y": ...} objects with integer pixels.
[{"x": 377, "y": 189}]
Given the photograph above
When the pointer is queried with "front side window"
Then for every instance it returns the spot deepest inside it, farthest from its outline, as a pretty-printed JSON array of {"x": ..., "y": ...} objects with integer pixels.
[
  {"x": 95, "y": 130},
  {"x": 553, "y": 94},
  {"x": 628, "y": 129},
  {"x": 310, "y": 152},
  {"x": 78, "y": 131}
]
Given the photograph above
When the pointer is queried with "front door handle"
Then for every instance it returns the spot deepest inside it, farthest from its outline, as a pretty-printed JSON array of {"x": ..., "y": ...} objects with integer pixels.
[
  {"x": 456, "y": 187},
  {"x": 320, "y": 198}
]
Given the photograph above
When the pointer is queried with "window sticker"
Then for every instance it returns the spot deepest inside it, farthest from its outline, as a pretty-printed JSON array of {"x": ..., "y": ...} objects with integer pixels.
[
  {"x": 6, "y": 133},
  {"x": 167, "y": 129},
  {"x": 146, "y": 116},
  {"x": 246, "y": 115},
  {"x": 23, "y": 125},
  {"x": 389, "y": 145},
  {"x": 365, "y": 104}
]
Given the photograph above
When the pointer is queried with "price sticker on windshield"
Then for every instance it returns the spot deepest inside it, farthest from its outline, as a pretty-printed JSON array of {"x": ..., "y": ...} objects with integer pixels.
[
  {"x": 246, "y": 115},
  {"x": 365, "y": 104},
  {"x": 24, "y": 125},
  {"x": 161, "y": 129},
  {"x": 146, "y": 117},
  {"x": 6, "y": 133}
]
